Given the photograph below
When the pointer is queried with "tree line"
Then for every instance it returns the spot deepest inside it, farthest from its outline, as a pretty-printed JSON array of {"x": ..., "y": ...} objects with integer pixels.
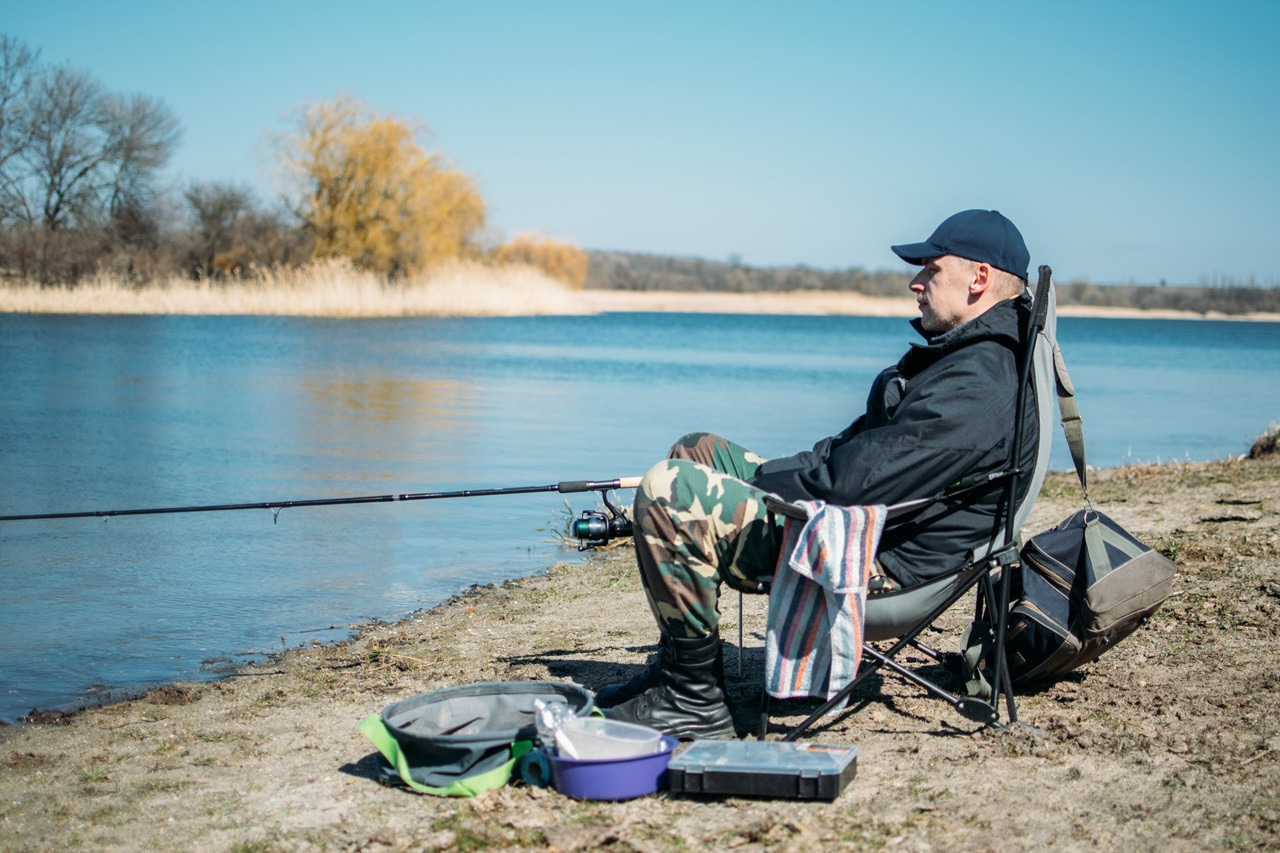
[
  {"x": 82, "y": 192},
  {"x": 639, "y": 271}
]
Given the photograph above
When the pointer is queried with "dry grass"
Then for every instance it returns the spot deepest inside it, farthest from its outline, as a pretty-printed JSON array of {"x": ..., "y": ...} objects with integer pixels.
[
  {"x": 1267, "y": 444},
  {"x": 326, "y": 289},
  {"x": 460, "y": 289}
]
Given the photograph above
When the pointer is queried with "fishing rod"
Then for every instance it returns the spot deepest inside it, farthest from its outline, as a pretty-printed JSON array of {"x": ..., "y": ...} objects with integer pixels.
[{"x": 593, "y": 527}]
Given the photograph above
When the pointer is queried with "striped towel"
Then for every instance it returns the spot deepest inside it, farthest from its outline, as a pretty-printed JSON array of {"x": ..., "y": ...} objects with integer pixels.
[{"x": 818, "y": 601}]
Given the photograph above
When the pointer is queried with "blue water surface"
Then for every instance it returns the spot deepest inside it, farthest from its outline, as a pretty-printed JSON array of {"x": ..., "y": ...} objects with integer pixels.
[{"x": 120, "y": 412}]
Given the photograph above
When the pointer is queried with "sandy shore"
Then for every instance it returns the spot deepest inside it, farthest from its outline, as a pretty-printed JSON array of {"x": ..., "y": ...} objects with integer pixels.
[
  {"x": 1171, "y": 741},
  {"x": 337, "y": 290},
  {"x": 852, "y": 304}
]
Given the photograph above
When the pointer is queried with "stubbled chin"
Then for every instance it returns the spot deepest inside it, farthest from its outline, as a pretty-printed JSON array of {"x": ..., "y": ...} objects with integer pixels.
[{"x": 928, "y": 321}]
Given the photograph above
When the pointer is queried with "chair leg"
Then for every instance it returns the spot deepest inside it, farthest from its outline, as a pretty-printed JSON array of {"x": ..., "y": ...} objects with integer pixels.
[
  {"x": 739, "y": 633},
  {"x": 1011, "y": 709},
  {"x": 1002, "y": 682},
  {"x": 864, "y": 672},
  {"x": 993, "y": 597},
  {"x": 997, "y": 601},
  {"x": 762, "y": 719}
]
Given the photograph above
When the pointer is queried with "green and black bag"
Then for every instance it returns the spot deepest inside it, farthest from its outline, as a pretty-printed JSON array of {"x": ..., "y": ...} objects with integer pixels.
[
  {"x": 1086, "y": 585},
  {"x": 459, "y": 741}
]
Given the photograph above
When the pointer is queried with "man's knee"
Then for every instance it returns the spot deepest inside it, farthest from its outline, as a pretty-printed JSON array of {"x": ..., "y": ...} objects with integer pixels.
[
  {"x": 682, "y": 499},
  {"x": 660, "y": 484},
  {"x": 697, "y": 446}
]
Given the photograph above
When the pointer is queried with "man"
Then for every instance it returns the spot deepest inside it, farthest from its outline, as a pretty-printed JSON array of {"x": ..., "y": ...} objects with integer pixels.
[{"x": 943, "y": 414}]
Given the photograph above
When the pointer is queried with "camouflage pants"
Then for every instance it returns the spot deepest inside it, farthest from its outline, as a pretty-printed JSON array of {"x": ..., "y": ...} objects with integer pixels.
[{"x": 698, "y": 524}]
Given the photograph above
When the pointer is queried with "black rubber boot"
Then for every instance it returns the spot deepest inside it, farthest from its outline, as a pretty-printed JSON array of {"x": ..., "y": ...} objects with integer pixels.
[
  {"x": 689, "y": 701},
  {"x": 616, "y": 694}
]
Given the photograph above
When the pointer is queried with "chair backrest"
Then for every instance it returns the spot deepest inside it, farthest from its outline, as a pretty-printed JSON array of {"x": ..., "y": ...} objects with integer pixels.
[
  {"x": 1044, "y": 396},
  {"x": 1044, "y": 382}
]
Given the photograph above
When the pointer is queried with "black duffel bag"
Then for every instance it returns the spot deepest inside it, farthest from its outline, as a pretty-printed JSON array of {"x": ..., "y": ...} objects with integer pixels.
[{"x": 1086, "y": 584}]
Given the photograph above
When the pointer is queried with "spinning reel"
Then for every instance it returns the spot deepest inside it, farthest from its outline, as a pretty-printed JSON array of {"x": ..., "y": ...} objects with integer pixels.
[{"x": 595, "y": 528}]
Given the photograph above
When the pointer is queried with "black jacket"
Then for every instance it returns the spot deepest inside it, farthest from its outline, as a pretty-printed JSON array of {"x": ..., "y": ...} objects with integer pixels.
[{"x": 943, "y": 413}]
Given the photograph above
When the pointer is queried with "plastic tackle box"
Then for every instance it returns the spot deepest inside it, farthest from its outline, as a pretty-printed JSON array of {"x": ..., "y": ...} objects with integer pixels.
[{"x": 803, "y": 771}]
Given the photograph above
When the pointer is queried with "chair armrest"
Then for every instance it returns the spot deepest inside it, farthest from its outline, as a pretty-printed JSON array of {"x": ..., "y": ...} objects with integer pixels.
[{"x": 778, "y": 506}]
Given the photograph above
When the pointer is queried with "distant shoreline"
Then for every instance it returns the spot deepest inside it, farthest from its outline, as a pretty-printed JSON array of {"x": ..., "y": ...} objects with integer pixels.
[
  {"x": 836, "y": 303},
  {"x": 335, "y": 290}
]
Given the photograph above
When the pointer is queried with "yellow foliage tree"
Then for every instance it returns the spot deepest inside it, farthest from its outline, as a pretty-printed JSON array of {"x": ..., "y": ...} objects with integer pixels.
[
  {"x": 558, "y": 260},
  {"x": 370, "y": 193}
]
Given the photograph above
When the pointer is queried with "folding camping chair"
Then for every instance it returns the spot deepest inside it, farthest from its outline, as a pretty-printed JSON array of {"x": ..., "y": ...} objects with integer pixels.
[{"x": 902, "y": 615}]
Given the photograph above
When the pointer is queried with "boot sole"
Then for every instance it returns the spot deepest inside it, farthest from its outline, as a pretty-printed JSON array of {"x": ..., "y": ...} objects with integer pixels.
[
  {"x": 721, "y": 732},
  {"x": 724, "y": 730}
]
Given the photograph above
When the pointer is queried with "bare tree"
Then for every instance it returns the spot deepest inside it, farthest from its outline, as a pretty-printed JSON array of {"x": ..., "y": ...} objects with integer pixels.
[
  {"x": 140, "y": 135},
  {"x": 17, "y": 66},
  {"x": 67, "y": 148},
  {"x": 218, "y": 209},
  {"x": 79, "y": 167},
  {"x": 58, "y": 176}
]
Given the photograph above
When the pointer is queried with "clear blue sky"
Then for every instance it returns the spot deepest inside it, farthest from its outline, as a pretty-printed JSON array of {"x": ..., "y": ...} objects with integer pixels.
[{"x": 1129, "y": 140}]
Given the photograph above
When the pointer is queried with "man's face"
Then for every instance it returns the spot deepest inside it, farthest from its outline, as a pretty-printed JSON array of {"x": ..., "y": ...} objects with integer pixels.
[{"x": 942, "y": 291}]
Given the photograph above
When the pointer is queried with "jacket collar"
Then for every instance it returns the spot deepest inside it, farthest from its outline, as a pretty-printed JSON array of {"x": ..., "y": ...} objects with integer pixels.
[{"x": 1001, "y": 322}]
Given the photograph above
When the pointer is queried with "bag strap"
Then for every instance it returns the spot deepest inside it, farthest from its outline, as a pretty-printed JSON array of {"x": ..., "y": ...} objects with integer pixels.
[
  {"x": 975, "y": 644},
  {"x": 1072, "y": 423}
]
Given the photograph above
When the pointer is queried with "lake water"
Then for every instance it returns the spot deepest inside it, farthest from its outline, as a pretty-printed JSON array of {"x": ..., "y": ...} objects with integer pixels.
[{"x": 107, "y": 413}]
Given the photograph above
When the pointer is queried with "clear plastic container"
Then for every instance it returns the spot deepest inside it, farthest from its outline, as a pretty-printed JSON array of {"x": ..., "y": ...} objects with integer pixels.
[{"x": 594, "y": 738}]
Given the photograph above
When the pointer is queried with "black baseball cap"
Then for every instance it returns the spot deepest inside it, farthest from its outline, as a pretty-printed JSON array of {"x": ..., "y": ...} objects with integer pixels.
[{"x": 986, "y": 236}]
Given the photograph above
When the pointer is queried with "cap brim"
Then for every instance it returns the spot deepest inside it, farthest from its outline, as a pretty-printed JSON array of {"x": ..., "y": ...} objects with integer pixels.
[{"x": 917, "y": 253}]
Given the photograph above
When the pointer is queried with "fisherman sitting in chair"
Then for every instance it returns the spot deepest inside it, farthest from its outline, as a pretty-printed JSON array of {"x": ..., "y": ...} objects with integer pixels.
[{"x": 944, "y": 413}]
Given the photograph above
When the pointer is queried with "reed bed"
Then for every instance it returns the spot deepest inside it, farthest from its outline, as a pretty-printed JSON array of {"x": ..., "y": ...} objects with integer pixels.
[{"x": 325, "y": 289}]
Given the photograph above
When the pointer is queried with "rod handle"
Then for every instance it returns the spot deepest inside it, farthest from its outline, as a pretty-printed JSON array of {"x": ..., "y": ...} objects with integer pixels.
[{"x": 595, "y": 485}]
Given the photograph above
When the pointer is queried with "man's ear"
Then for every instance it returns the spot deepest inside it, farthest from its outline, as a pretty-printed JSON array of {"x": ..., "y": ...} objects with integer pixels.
[{"x": 982, "y": 279}]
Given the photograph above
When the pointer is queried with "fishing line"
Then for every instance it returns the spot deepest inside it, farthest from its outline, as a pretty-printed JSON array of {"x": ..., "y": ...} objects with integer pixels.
[{"x": 594, "y": 527}]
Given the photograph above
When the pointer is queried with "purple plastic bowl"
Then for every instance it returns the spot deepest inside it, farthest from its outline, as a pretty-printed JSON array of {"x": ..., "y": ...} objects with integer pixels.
[{"x": 613, "y": 778}]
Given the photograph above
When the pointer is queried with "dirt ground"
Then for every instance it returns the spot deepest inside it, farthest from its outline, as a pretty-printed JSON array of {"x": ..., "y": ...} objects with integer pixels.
[{"x": 1172, "y": 740}]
